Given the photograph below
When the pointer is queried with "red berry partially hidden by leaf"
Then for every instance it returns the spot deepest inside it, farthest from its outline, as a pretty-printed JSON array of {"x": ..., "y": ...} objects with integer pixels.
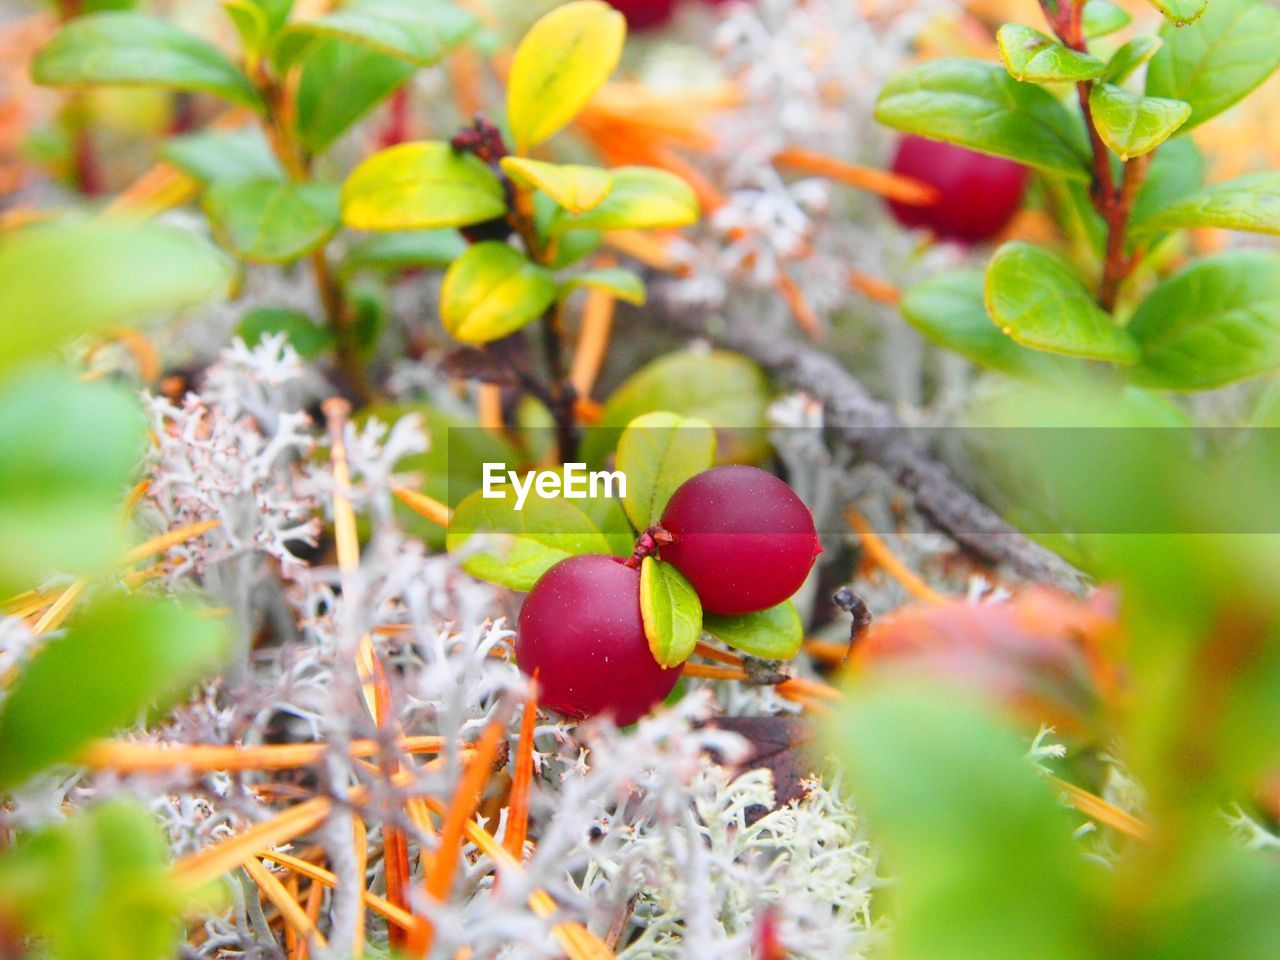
[
  {"x": 979, "y": 193},
  {"x": 645, "y": 14},
  {"x": 742, "y": 538},
  {"x": 580, "y": 629}
]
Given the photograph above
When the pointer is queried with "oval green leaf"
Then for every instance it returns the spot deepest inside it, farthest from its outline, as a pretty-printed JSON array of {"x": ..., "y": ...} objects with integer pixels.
[
  {"x": 1133, "y": 125},
  {"x": 575, "y": 187},
  {"x": 213, "y": 155},
  {"x": 411, "y": 248},
  {"x": 1032, "y": 57},
  {"x": 656, "y": 453},
  {"x": 1035, "y": 297},
  {"x": 642, "y": 198},
  {"x": 1102, "y": 17},
  {"x": 671, "y": 611},
  {"x": 365, "y": 77},
  {"x": 1249, "y": 203},
  {"x": 1181, "y": 12},
  {"x": 418, "y": 32},
  {"x": 948, "y": 308},
  {"x": 513, "y": 548},
  {"x": 491, "y": 291},
  {"x": 561, "y": 62},
  {"x": 59, "y": 280},
  {"x": 978, "y": 105},
  {"x": 1213, "y": 323},
  {"x": 415, "y": 186},
  {"x": 130, "y": 49},
  {"x": 623, "y": 284},
  {"x": 1214, "y": 62},
  {"x": 773, "y": 634},
  {"x": 1130, "y": 57},
  {"x": 120, "y": 655},
  {"x": 272, "y": 221}
]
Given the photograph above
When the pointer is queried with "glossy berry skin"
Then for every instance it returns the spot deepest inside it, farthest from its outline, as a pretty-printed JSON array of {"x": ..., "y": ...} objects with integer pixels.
[
  {"x": 580, "y": 629},
  {"x": 979, "y": 193},
  {"x": 741, "y": 537},
  {"x": 645, "y": 14}
]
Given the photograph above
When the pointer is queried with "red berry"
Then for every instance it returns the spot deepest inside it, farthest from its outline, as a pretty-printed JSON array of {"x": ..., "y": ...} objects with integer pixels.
[
  {"x": 580, "y": 629},
  {"x": 645, "y": 14},
  {"x": 742, "y": 538},
  {"x": 979, "y": 193}
]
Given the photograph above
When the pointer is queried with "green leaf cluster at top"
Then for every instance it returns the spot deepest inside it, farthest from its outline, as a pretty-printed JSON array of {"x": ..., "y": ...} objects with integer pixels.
[
  {"x": 559, "y": 211},
  {"x": 657, "y": 452},
  {"x": 1217, "y": 321}
]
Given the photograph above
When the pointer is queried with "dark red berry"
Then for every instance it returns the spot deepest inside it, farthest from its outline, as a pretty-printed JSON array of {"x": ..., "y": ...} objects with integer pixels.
[
  {"x": 742, "y": 538},
  {"x": 979, "y": 193},
  {"x": 580, "y": 629},
  {"x": 645, "y": 14}
]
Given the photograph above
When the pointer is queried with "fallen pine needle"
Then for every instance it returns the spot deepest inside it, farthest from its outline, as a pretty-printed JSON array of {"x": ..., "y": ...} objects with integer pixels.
[
  {"x": 888, "y": 561},
  {"x": 891, "y": 186},
  {"x": 379, "y": 905},
  {"x": 141, "y": 757},
  {"x": 292, "y": 911},
  {"x": 420, "y": 503},
  {"x": 172, "y": 538},
  {"x": 1096, "y": 808},
  {"x": 518, "y": 803}
]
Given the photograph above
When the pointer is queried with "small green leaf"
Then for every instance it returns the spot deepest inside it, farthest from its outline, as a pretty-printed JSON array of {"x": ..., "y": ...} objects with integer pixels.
[
  {"x": 414, "y": 186},
  {"x": 1132, "y": 125},
  {"x": 59, "y": 280},
  {"x": 135, "y": 50},
  {"x": 642, "y": 198},
  {"x": 1036, "y": 298},
  {"x": 250, "y": 22},
  {"x": 575, "y": 187},
  {"x": 513, "y": 548},
  {"x": 411, "y": 248},
  {"x": 1249, "y": 203},
  {"x": 1181, "y": 12},
  {"x": 623, "y": 284},
  {"x": 365, "y": 77},
  {"x": 658, "y": 452},
  {"x": 671, "y": 612},
  {"x": 272, "y": 221},
  {"x": 120, "y": 655},
  {"x": 1130, "y": 57},
  {"x": 491, "y": 291},
  {"x": 419, "y": 32},
  {"x": 978, "y": 105},
  {"x": 213, "y": 155},
  {"x": 773, "y": 634},
  {"x": 302, "y": 333},
  {"x": 1216, "y": 61},
  {"x": 1213, "y": 323},
  {"x": 68, "y": 450},
  {"x": 561, "y": 62},
  {"x": 1102, "y": 17},
  {"x": 726, "y": 389},
  {"x": 1032, "y": 57},
  {"x": 96, "y": 886},
  {"x": 948, "y": 308}
]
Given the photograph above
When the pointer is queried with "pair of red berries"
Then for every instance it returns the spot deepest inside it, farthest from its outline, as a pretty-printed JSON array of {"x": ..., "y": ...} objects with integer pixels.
[{"x": 742, "y": 539}]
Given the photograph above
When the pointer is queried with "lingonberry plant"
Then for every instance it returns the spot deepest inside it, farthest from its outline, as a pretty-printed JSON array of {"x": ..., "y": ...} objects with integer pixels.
[{"x": 1116, "y": 160}]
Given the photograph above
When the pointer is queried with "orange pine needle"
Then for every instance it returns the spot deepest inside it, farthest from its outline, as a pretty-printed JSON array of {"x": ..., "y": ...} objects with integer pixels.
[
  {"x": 292, "y": 912},
  {"x": 648, "y": 248},
  {"x": 129, "y": 757},
  {"x": 1100, "y": 810},
  {"x": 706, "y": 672},
  {"x": 522, "y": 783},
  {"x": 489, "y": 407},
  {"x": 172, "y": 538},
  {"x": 58, "y": 612},
  {"x": 800, "y": 309},
  {"x": 888, "y": 561},
  {"x": 399, "y": 917},
  {"x": 891, "y": 186},
  {"x": 593, "y": 339},
  {"x": 360, "y": 840},
  {"x": 420, "y": 503},
  {"x": 873, "y": 288}
]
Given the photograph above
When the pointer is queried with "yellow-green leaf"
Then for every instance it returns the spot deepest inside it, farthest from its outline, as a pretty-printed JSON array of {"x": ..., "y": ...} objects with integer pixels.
[
  {"x": 671, "y": 611},
  {"x": 575, "y": 187},
  {"x": 658, "y": 452},
  {"x": 491, "y": 291},
  {"x": 1133, "y": 125},
  {"x": 623, "y": 284},
  {"x": 415, "y": 186},
  {"x": 642, "y": 198},
  {"x": 561, "y": 62},
  {"x": 1032, "y": 57}
]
